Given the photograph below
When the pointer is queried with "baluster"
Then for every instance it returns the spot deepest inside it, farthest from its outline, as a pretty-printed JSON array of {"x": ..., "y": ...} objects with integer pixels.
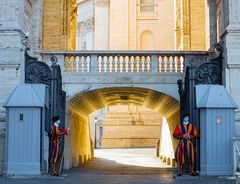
[
  {"x": 126, "y": 64},
  {"x": 83, "y": 64},
  {"x": 72, "y": 63},
  {"x": 160, "y": 64},
  {"x": 143, "y": 66},
  {"x": 148, "y": 66},
  {"x": 179, "y": 64},
  {"x": 121, "y": 64},
  {"x": 110, "y": 64},
  {"x": 100, "y": 64},
  {"x": 66, "y": 63},
  {"x": 137, "y": 63},
  {"x": 163, "y": 64},
  {"x": 88, "y": 64},
  {"x": 77, "y": 63},
  {"x": 168, "y": 64},
  {"x": 170, "y": 67},
  {"x": 173, "y": 64},
  {"x": 80, "y": 64},
  {"x": 132, "y": 61},
  {"x": 116, "y": 64},
  {"x": 105, "y": 64}
]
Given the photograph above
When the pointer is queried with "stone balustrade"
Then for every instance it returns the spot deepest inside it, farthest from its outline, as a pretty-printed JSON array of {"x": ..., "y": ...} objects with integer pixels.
[{"x": 122, "y": 61}]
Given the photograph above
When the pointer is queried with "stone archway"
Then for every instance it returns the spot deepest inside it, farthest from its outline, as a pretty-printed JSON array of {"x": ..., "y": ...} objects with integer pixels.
[{"x": 79, "y": 147}]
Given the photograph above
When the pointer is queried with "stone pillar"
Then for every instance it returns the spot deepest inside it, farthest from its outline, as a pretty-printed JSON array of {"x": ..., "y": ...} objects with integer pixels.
[
  {"x": 12, "y": 32},
  {"x": 101, "y": 26},
  {"x": 231, "y": 43},
  {"x": 55, "y": 24},
  {"x": 210, "y": 21}
]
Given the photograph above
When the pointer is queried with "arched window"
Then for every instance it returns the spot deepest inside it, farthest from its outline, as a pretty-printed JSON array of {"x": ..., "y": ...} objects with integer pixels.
[{"x": 147, "y": 41}]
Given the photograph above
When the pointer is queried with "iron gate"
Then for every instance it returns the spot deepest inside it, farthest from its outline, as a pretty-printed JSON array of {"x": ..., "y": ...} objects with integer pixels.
[
  {"x": 38, "y": 72},
  {"x": 199, "y": 70}
]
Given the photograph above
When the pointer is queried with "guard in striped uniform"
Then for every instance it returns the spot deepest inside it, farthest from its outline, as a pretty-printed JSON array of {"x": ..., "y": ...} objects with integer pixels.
[
  {"x": 185, "y": 152},
  {"x": 55, "y": 133}
]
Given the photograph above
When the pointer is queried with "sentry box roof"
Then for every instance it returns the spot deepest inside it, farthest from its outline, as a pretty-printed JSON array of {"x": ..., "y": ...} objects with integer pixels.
[
  {"x": 214, "y": 96},
  {"x": 27, "y": 95}
]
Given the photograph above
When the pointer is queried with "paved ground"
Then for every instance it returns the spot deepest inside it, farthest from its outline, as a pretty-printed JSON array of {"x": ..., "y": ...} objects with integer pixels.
[{"x": 120, "y": 166}]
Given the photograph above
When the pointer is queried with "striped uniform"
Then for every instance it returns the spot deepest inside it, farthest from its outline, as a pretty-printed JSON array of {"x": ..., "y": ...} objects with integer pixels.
[
  {"x": 55, "y": 134},
  {"x": 185, "y": 150}
]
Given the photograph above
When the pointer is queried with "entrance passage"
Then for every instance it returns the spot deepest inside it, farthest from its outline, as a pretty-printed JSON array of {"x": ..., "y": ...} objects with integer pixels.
[
  {"x": 129, "y": 157},
  {"x": 141, "y": 120}
]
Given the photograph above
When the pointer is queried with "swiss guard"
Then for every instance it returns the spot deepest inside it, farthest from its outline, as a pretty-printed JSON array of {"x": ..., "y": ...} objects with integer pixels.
[
  {"x": 54, "y": 134},
  {"x": 185, "y": 152}
]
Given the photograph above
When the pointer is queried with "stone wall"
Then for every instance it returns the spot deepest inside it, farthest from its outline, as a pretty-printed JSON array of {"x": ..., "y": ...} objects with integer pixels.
[
  {"x": 59, "y": 24},
  {"x": 130, "y": 126},
  {"x": 228, "y": 18},
  {"x": 17, "y": 18},
  {"x": 78, "y": 144},
  {"x": 191, "y": 25}
]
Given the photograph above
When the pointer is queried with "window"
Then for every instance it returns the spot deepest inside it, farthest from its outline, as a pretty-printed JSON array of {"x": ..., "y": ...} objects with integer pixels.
[{"x": 146, "y": 6}]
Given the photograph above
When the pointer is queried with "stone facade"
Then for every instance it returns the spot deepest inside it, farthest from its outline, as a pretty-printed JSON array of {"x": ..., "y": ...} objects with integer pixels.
[
  {"x": 229, "y": 33},
  {"x": 18, "y": 18},
  {"x": 130, "y": 126},
  {"x": 190, "y": 25},
  {"x": 51, "y": 25},
  {"x": 59, "y": 24}
]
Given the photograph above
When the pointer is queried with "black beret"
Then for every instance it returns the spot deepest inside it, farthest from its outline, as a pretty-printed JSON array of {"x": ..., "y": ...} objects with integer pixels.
[{"x": 55, "y": 118}]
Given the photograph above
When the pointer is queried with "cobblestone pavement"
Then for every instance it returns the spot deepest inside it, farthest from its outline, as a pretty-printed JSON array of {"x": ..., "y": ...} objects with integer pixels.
[{"x": 120, "y": 166}]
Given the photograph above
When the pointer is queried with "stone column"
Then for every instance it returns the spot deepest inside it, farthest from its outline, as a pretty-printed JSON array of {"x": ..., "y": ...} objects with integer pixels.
[
  {"x": 101, "y": 26},
  {"x": 231, "y": 42}
]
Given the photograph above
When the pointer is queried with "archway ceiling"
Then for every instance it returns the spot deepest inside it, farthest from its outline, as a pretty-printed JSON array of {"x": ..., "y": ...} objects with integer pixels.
[{"x": 88, "y": 102}]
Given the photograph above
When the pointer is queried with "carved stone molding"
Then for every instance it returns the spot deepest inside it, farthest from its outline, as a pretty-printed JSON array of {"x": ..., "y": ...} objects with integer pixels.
[{"x": 89, "y": 24}]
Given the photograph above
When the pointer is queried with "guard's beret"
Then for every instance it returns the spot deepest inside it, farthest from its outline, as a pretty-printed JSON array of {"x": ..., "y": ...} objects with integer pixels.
[{"x": 55, "y": 118}]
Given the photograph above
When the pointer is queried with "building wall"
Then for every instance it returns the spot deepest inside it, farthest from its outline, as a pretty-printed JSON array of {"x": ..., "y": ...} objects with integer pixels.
[
  {"x": 130, "y": 126},
  {"x": 197, "y": 26},
  {"x": 228, "y": 26},
  {"x": 85, "y": 25},
  {"x": 78, "y": 144},
  {"x": 118, "y": 25},
  {"x": 16, "y": 19},
  {"x": 190, "y": 25},
  {"x": 59, "y": 24},
  {"x": 101, "y": 25}
]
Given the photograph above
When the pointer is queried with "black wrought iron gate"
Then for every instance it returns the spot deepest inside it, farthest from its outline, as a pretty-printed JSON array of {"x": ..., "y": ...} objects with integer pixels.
[
  {"x": 199, "y": 70},
  {"x": 38, "y": 72}
]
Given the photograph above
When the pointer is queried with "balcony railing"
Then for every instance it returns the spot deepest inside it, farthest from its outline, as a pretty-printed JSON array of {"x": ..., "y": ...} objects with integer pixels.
[{"x": 122, "y": 61}]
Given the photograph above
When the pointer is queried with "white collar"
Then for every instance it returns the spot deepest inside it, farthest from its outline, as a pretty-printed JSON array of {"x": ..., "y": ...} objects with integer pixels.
[{"x": 56, "y": 124}]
